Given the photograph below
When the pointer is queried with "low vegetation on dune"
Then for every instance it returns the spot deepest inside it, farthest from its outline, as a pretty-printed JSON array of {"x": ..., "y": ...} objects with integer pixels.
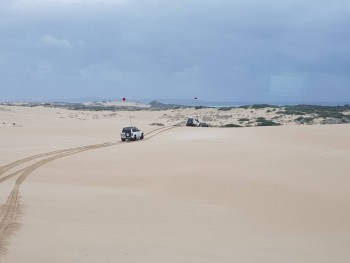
[
  {"x": 226, "y": 108},
  {"x": 231, "y": 125},
  {"x": 316, "y": 110},
  {"x": 272, "y": 115},
  {"x": 305, "y": 120},
  {"x": 242, "y": 116},
  {"x": 201, "y": 107},
  {"x": 258, "y": 106},
  {"x": 261, "y": 121}
]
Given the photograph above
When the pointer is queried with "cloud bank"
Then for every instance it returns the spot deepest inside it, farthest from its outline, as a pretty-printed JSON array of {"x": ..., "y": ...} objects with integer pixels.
[
  {"x": 216, "y": 50},
  {"x": 56, "y": 42}
]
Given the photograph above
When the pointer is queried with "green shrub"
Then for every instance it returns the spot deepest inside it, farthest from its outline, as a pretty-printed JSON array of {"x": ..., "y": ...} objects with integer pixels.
[
  {"x": 291, "y": 112},
  {"x": 337, "y": 115},
  {"x": 262, "y": 106},
  {"x": 243, "y": 119},
  {"x": 318, "y": 110},
  {"x": 200, "y": 107},
  {"x": 244, "y": 107},
  {"x": 261, "y": 121},
  {"x": 225, "y": 108},
  {"x": 258, "y": 106},
  {"x": 304, "y": 119},
  {"x": 231, "y": 125}
]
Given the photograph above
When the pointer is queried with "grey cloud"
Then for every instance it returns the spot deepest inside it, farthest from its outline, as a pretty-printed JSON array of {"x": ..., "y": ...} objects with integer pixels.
[
  {"x": 218, "y": 49},
  {"x": 56, "y": 42}
]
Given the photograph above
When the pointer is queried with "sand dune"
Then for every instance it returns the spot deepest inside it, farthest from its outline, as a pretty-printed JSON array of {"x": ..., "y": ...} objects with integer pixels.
[{"x": 72, "y": 192}]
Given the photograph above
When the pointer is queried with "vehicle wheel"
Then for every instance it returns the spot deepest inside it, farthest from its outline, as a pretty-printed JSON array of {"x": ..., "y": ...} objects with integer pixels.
[
  {"x": 127, "y": 135},
  {"x": 123, "y": 140},
  {"x": 141, "y": 138},
  {"x": 135, "y": 138}
]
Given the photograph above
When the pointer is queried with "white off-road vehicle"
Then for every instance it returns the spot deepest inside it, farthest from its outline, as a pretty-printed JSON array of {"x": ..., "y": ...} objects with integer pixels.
[
  {"x": 192, "y": 122},
  {"x": 131, "y": 134}
]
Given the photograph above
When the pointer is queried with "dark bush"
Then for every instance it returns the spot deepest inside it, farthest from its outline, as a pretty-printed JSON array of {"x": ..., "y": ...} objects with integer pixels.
[
  {"x": 200, "y": 107},
  {"x": 290, "y": 112},
  {"x": 244, "y": 107},
  {"x": 318, "y": 110},
  {"x": 261, "y": 121},
  {"x": 231, "y": 125},
  {"x": 225, "y": 108},
  {"x": 304, "y": 119},
  {"x": 262, "y": 106}
]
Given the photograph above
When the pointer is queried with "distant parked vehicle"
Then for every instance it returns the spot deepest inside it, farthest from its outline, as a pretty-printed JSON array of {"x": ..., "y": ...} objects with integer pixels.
[
  {"x": 131, "y": 134},
  {"x": 192, "y": 122},
  {"x": 203, "y": 124}
]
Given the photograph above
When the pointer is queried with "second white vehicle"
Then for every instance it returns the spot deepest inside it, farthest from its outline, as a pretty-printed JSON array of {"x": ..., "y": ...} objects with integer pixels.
[
  {"x": 131, "y": 134},
  {"x": 192, "y": 122}
]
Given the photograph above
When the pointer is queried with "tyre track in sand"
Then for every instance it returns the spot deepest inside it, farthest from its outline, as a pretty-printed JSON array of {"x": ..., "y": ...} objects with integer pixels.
[
  {"x": 9, "y": 210},
  {"x": 16, "y": 163}
]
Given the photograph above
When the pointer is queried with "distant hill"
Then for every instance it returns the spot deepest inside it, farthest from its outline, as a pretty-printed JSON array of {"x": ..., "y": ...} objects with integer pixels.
[{"x": 158, "y": 105}]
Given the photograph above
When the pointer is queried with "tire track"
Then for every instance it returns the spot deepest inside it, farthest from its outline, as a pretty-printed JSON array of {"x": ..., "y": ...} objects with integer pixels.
[
  {"x": 12, "y": 201},
  {"x": 159, "y": 132},
  {"x": 11, "y": 206},
  {"x": 9, "y": 166}
]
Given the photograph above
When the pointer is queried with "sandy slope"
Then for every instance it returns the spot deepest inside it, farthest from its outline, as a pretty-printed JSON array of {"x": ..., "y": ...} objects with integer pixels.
[{"x": 274, "y": 194}]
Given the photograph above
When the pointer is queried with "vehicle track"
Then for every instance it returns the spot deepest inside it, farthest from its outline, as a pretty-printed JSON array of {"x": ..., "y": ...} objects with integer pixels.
[
  {"x": 10, "y": 208},
  {"x": 163, "y": 130},
  {"x": 9, "y": 166}
]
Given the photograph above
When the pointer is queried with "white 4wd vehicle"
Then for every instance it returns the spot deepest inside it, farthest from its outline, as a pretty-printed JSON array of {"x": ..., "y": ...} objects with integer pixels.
[
  {"x": 192, "y": 122},
  {"x": 131, "y": 134}
]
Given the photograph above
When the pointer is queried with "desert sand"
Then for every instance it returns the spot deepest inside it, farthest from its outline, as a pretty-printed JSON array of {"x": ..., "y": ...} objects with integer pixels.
[{"x": 184, "y": 194}]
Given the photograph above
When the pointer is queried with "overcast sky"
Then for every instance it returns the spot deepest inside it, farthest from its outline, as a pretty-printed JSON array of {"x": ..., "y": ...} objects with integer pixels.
[{"x": 217, "y": 50}]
